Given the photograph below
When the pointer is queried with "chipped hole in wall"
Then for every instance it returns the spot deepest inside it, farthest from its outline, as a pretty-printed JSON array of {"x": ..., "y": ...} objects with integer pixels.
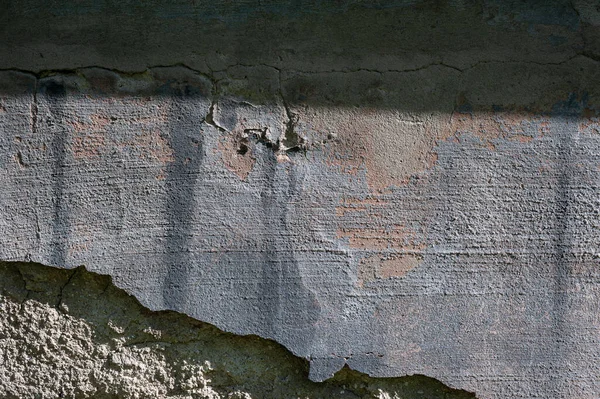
[
  {"x": 261, "y": 136},
  {"x": 242, "y": 148}
]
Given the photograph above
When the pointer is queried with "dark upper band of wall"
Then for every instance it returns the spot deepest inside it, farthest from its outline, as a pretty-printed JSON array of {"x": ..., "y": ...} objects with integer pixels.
[{"x": 413, "y": 55}]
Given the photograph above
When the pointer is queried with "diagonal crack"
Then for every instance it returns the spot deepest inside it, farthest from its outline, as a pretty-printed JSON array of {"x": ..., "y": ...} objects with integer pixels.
[
  {"x": 210, "y": 117},
  {"x": 58, "y": 305},
  {"x": 291, "y": 140}
]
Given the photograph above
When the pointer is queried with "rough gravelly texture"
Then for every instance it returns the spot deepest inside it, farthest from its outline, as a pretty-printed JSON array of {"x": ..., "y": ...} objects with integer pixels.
[
  {"x": 404, "y": 187},
  {"x": 72, "y": 334}
]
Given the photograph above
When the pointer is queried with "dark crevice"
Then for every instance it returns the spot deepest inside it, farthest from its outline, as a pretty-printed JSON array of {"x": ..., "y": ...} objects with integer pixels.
[
  {"x": 72, "y": 274},
  {"x": 210, "y": 118},
  {"x": 34, "y": 108},
  {"x": 75, "y": 71},
  {"x": 242, "y": 147}
]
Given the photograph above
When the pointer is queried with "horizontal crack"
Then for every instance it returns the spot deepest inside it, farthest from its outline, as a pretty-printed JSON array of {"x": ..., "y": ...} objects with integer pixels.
[{"x": 133, "y": 73}]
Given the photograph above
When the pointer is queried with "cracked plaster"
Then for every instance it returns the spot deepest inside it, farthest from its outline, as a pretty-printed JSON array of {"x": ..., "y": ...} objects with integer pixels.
[{"x": 434, "y": 214}]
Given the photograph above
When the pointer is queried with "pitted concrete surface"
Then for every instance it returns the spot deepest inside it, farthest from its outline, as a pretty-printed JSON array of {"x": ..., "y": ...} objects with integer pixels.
[{"x": 409, "y": 189}]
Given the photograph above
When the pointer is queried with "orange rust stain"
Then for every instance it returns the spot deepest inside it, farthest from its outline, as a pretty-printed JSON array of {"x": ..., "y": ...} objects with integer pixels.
[
  {"x": 399, "y": 265},
  {"x": 98, "y": 124},
  {"x": 89, "y": 138},
  {"x": 236, "y": 154},
  {"x": 143, "y": 134},
  {"x": 368, "y": 205},
  {"x": 591, "y": 125},
  {"x": 391, "y": 147},
  {"x": 379, "y": 239},
  {"x": 153, "y": 146},
  {"x": 386, "y": 249},
  {"x": 495, "y": 125},
  {"x": 88, "y": 146},
  {"x": 378, "y": 267}
]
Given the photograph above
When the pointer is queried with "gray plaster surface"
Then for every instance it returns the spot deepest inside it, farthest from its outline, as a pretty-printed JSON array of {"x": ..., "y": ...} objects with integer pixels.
[{"x": 425, "y": 204}]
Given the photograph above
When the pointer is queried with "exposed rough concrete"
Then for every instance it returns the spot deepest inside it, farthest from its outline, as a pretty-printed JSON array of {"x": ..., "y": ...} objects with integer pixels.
[
  {"x": 73, "y": 334},
  {"x": 408, "y": 188}
]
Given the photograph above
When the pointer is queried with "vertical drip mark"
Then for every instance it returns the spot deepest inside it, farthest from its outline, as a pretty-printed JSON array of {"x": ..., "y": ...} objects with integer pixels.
[
  {"x": 55, "y": 93},
  {"x": 562, "y": 250},
  {"x": 289, "y": 308},
  {"x": 182, "y": 174},
  {"x": 34, "y": 109}
]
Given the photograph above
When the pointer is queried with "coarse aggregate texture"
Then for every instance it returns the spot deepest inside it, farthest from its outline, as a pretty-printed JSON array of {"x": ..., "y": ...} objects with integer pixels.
[
  {"x": 404, "y": 187},
  {"x": 73, "y": 334}
]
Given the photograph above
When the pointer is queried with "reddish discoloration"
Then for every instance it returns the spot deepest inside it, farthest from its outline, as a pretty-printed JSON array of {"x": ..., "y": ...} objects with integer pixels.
[
  {"x": 88, "y": 146},
  {"x": 522, "y": 139},
  {"x": 98, "y": 123},
  {"x": 386, "y": 249},
  {"x": 378, "y": 267},
  {"x": 396, "y": 238},
  {"x": 161, "y": 175},
  {"x": 153, "y": 146},
  {"x": 399, "y": 265},
  {"x": 354, "y": 205},
  {"x": 144, "y": 136},
  {"x": 77, "y": 248},
  {"x": 81, "y": 246},
  {"x": 392, "y": 147},
  {"x": 390, "y": 158},
  {"x": 591, "y": 125},
  {"x": 365, "y": 140},
  {"x": 490, "y": 126},
  {"x": 237, "y": 154},
  {"x": 89, "y": 138}
]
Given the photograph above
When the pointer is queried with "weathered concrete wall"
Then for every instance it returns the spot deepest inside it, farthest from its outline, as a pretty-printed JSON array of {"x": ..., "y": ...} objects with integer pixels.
[
  {"x": 403, "y": 188},
  {"x": 74, "y": 334}
]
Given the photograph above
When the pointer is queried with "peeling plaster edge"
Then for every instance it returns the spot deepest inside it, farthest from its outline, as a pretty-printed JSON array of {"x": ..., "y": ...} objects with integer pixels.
[{"x": 344, "y": 371}]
